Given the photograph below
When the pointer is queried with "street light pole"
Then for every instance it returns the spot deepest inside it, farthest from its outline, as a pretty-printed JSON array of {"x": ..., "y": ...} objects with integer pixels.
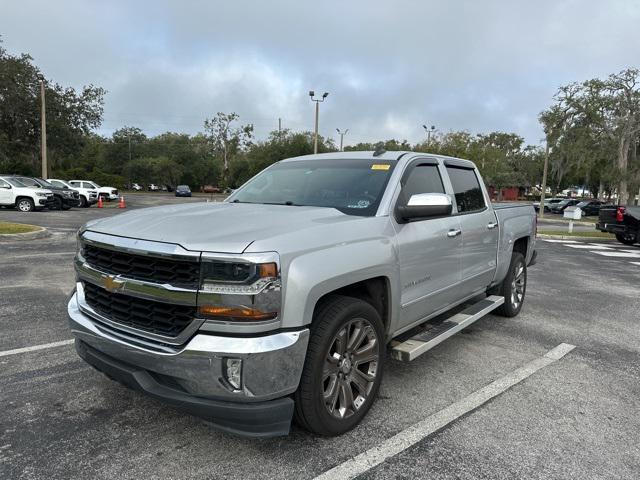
[
  {"x": 544, "y": 176},
  {"x": 43, "y": 128},
  {"x": 429, "y": 130},
  {"x": 342, "y": 134},
  {"x": 317, "y": 100}
]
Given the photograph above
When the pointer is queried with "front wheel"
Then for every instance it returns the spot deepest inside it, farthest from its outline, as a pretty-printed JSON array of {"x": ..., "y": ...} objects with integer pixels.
[
  {"x": 513, "y": 287},
  {"x": 25, "y": 205},
  {"x": 627, "y": 238},
  {"x": 343, "y": 368}
]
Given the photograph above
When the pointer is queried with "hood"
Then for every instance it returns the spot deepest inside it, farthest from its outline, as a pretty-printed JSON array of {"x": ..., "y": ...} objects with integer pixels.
[{"x": 217, "y": 227}]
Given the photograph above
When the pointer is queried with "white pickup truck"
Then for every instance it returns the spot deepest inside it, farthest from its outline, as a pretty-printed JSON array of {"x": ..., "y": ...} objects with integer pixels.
[
  {"x": 283, "y": 300},
  {"x": 14, "y": 193}
]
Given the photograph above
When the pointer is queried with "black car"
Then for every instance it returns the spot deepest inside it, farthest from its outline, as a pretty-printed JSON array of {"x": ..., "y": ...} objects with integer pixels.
[
  {"x": 560, "y": 206},
  {"x": 590, "y": 207},
  {"x": 63, "y": 198},
  {"x": 623, "y": 222},
  {"x": 183, "y": 191}
]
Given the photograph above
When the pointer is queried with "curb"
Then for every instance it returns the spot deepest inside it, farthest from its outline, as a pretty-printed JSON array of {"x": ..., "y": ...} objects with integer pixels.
[
  {"x": 561, "y": 220},
  {"x": 574, "y": 237},
  {"x": 40, "y": 233}
]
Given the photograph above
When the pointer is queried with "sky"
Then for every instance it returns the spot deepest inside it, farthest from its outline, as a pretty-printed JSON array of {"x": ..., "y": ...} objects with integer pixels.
[{"x": 389, "y": 67}]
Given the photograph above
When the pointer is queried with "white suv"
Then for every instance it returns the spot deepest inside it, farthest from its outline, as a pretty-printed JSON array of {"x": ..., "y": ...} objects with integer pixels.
[
  {"x": 88, "y": 192},
  {"x": 14, "y": 193},
  {"x": 107, "y": 193}
]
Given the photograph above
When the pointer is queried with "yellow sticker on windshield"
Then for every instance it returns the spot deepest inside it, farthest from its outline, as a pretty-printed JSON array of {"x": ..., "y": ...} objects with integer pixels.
[{"x": 380, "y": 167}]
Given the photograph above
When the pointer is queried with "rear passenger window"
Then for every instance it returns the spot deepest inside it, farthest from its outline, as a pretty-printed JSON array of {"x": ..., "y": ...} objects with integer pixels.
[
  {"x": 467, "y": 189},
  {"x": 422, "y": 179}
]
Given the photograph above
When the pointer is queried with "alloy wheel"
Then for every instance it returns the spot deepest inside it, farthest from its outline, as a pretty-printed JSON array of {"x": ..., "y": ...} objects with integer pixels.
[
  {"x": 518, "y": 286},
  {"x": 350, "y": 368}
]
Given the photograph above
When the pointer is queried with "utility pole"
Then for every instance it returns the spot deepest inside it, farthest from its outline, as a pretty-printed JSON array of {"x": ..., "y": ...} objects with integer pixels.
[
  {"x": 317, "y": 100},
  {"x": 129, "y": 138},
  {"x": 43, "y": 128},
  {"x": 429, "y": 131},
  {"x": 544, "y": 175},
  {"x": 279, "y": 125},
  {"x": 342, "y": 134}
]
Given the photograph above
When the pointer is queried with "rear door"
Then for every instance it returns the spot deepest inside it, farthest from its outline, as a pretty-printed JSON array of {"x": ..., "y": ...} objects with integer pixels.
[
  {"x": 479, "y": 228},
  {"x": 429, "y": 250}
]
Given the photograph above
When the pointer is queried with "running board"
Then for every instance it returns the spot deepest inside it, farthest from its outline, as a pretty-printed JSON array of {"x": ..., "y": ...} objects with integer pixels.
[{"x": 425, "y": 341}]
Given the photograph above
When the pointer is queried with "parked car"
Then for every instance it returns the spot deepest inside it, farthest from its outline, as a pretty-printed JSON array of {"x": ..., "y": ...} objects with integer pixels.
[
  {"x": 183, "y": 191},
  {"x": 14, "y": 193},
  {"x": 285, "y": 296},
  {"x": 107, "y": 193},
  {"x": 168, "y": 188},
  {"x": 623, "y": 222},
  {"x": 153, "y": 187},
  {"x": 548, "y": 202},
  {"x": 561, "y": 206},
  {"x": 136, "y": 187},
  {"x": 211, "y": 189},
  {"x": 64, "y": 197},
  {"x": 590, "y": 207},
  {"x": 86, "y": 190}
]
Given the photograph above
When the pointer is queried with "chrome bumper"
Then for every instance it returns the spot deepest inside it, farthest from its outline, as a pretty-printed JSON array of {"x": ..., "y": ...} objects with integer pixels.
[{"x": 271, "y": 364}]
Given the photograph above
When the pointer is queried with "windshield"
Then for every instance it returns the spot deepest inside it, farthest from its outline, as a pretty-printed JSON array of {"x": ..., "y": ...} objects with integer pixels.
[
  {"x": 15, "y": 182},
  {"x": 354, "y": 187},
  {"x": 583, "y": 204},
  {"x": 43, "y": 182}
]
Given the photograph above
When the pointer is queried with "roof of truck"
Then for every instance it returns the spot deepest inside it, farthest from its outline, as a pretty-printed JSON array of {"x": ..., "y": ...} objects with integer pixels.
[{"x": 383, "y": 155}]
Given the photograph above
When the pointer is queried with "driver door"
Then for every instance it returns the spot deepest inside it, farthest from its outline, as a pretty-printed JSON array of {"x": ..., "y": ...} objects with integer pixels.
[
  {"x": 429, "y": 250},
  {"x": 6, "y": 197}
]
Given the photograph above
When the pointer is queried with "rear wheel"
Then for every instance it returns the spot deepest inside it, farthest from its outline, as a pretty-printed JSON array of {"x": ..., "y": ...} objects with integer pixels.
[
  {"x": 343, "y": 368},
  {"x": 25, "y": 205},
  {"x": 513, "y": 287},
  {"x": 627, "y": 238}
]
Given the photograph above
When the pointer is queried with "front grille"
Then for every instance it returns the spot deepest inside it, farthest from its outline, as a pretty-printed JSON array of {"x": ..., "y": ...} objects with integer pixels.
[
  {"x": 179, "y": 273},
  {"x": 153, "y": 317}
]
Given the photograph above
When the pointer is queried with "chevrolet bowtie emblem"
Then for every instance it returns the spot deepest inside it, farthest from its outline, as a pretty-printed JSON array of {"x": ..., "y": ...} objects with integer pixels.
[{"x": 112, "y": 284}]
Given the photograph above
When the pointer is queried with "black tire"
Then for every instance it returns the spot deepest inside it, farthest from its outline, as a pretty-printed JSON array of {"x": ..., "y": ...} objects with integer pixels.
[
  {"x": 346, "y": 318},
  {"x": 25, "y": 204},
  {"x": 627, "y": 238},
  {"x": 57, "y": 203},
  {"x": 83, "y": 202},
  {"x": 514, "y": 286}
]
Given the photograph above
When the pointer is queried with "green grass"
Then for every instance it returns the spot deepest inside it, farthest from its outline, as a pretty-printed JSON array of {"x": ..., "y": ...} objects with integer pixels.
[
  {"x": 564, "y": 233},
  {"x": 9, "y": 228},
  {"x": 559, "y": 218}
]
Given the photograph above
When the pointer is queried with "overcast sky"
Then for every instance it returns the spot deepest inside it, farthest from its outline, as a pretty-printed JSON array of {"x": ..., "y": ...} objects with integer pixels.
[{"x": 390, "y": 67}]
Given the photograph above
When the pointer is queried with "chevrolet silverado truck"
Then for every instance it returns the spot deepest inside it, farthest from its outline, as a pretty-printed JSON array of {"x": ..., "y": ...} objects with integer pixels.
[
  {"x": 623, "y": 222},
  {"x": 284, "y": 300}
]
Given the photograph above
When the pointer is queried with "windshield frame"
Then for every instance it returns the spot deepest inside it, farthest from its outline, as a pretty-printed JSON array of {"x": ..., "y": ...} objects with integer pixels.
[
  {"x": 17, "y": 183},
  {"x": 370, "y": 211}
]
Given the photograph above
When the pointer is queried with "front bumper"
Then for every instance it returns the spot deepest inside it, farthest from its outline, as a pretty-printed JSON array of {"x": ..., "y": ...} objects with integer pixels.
[
  {"x": 192, "y": 377},
  {"x": 70, "y": 202}
]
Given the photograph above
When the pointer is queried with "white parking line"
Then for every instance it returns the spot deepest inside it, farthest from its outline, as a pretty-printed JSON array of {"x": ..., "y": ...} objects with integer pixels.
[
  {"x": 34, "y": 255},
  {"x": 551, "y": 240},
  {"x": 635, "y": 263},
  {"x": 620, "y": 254},
  {"x": 34, "y": 348},
  {"x": 590, "y": 247},
  {"x": 412, "y": 435}
]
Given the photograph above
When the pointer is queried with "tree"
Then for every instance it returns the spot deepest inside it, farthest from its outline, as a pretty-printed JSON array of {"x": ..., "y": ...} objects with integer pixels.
[
  {"x": 71, "y": 115},
  {"x": 227, "y": 140}
]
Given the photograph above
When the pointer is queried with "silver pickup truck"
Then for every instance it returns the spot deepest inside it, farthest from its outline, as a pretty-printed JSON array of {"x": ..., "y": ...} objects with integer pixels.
[{"x": 284, "y": 300}]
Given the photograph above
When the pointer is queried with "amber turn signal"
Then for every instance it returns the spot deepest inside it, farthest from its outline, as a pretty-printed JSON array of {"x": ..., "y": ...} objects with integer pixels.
[
  {"x": 268, "y": 270},
  {"x": 235, "y": 313}
]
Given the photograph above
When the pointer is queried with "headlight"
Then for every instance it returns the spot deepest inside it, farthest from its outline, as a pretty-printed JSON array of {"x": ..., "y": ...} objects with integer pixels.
[
  {"x": 40, "y": 194},
  {"x": 67, "y": 193},
  {"x": 240, "y": 291}
]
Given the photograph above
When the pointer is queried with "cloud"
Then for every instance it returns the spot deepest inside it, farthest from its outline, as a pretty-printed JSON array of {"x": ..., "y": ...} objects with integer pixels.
[{"x": 389, "y": 66}]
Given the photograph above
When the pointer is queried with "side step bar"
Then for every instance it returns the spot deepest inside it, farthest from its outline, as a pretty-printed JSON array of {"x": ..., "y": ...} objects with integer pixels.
[{"x": 425, "y": 341}]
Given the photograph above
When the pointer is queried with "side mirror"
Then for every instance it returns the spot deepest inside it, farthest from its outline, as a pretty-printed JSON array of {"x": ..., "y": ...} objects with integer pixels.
[{"x": 424, "y": 205}]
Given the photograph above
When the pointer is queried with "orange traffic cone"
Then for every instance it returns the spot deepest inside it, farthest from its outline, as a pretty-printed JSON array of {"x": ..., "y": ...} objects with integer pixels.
[
  {"x": 99, "y": 201},
  {"x": 122, "y": 204}
]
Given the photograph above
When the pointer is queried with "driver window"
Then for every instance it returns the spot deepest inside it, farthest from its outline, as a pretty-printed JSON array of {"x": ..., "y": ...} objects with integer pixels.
[
  {"x": 4, "y": 184},
  {"x": 422, "y": 179}
]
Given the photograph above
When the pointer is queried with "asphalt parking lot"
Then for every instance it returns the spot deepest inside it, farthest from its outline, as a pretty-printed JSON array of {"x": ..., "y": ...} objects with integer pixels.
[{"x": 577, "y": 417}]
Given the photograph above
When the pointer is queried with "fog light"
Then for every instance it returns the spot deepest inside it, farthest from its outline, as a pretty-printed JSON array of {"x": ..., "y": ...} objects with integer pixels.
[{"x": 233, "y": 372}]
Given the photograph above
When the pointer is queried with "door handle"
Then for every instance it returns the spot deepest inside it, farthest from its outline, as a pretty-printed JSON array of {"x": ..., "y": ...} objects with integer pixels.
[
  {"x": 492, "y": 225},
  {"x": 453, "y": 233}
]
